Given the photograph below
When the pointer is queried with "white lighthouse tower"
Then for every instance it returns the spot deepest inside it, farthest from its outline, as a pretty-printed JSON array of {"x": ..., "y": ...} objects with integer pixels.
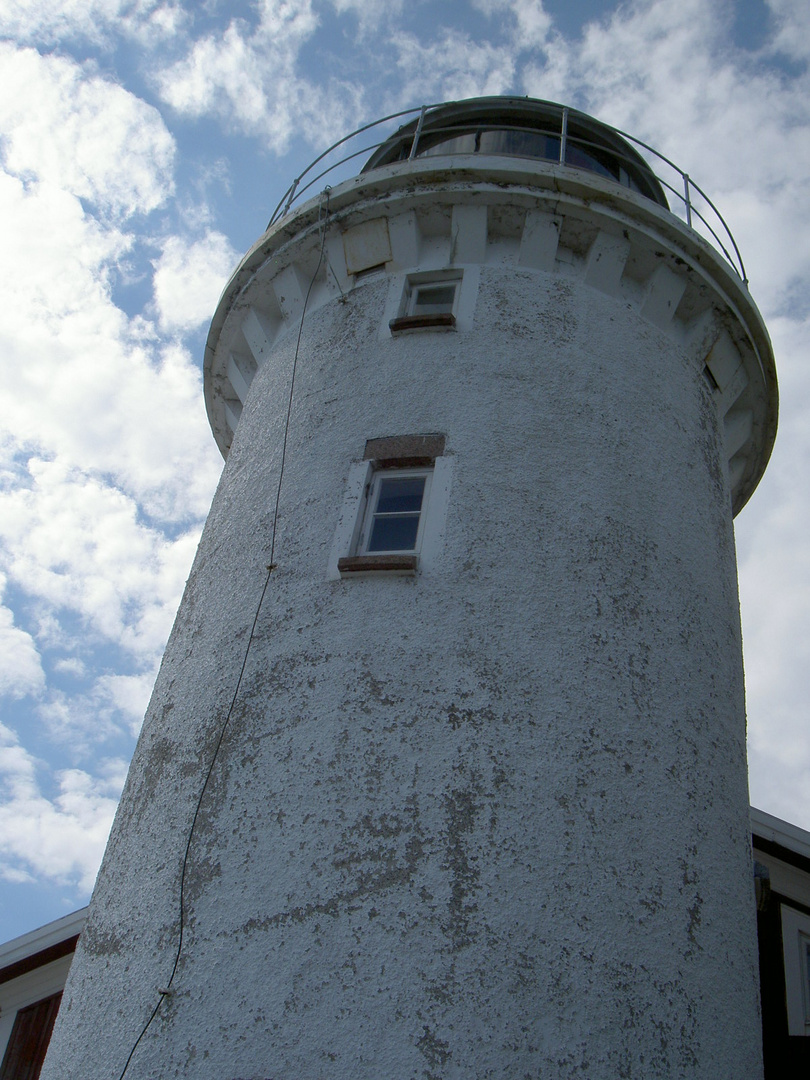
[{"x": 444, "y": 774}]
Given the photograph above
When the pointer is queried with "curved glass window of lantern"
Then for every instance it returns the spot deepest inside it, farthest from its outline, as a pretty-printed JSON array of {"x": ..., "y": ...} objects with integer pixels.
[
  {"x": 516, "y": 142},
  {"x": 513, "y": 142},
  {"x": 524, "y": 128}
]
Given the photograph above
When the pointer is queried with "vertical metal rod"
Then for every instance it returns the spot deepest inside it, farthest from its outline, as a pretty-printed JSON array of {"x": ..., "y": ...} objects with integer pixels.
[
  {"x": 687, "y": 200},
  {"x": 563, "y": 136},
  {"x": 291, "y": 196},
  {"x": 417, "y": 133}
]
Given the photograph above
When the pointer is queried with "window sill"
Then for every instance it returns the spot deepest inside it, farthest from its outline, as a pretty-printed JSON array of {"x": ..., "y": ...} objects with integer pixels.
[
  {"x": 376, "y": 564},
  {"x": 444, "y": 320}
]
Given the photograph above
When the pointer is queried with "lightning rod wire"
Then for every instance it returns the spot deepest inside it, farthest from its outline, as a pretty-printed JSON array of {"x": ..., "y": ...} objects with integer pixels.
[{"x": 323, "y": 223}]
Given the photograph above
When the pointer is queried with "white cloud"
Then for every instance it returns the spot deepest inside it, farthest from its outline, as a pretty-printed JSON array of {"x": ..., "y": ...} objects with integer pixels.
[
  {"x": 792, "y": 37},
  {"x": 104, "y": 426},
  {"x": 452, "y": 67},
  {"x": 20, "y": 665},
  {"x": 60, "y": 839},
  {"x": 113, "y": 707},
  {"x": 82, "y": 133},
  {"x": 533, "y": 24},
  {"x": 774, "y": 569},
  {"x": 189, "y": 278},
  {"x": 146, "y": 21},
  {"x": 370, "y": 14},
  {"x": 250, "y": 78},
  {"x": 78, "y": 544},
  {"x": 81, "y": 381},
  {"x": 71, "y": 665},
  {"x": 129, "y": 694}
]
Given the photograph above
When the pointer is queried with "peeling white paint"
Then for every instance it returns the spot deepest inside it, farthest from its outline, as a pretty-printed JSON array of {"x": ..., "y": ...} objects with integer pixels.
[{"x": 487, "y": 821}]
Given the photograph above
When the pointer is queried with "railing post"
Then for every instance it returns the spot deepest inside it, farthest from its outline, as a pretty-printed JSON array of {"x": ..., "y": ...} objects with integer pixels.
[
  {"x": 417, "y": 133},
  {"x": 291, "y": 196},
  {"x": 687, "y": 199},
  {"x": 563, "y": 135}
]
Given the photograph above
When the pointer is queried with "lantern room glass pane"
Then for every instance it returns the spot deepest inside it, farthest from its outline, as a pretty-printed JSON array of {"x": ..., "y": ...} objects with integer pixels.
[{"x": 511, "y": 142}]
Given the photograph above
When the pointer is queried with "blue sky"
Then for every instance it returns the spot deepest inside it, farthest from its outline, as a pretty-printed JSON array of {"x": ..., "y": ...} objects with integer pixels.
[{"x": 143, "y": 146}]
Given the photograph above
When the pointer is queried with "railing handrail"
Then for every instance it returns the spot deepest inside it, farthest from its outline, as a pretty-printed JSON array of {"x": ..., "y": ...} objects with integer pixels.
[{"x": 718, "y": 230}]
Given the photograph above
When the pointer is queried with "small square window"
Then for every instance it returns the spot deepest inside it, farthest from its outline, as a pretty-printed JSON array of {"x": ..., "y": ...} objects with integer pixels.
[
  {"x": 394, "y": 509},
  {"x": 394, "y": 519},
  {"x": 432, "y": 299},
  {"x": 428, "y": 303}
]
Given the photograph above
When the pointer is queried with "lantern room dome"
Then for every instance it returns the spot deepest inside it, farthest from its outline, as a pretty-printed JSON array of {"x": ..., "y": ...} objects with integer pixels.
[{"x": 526, "y": 128}]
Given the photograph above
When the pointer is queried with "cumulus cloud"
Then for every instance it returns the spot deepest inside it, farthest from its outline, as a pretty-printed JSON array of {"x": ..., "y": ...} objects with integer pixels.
[
  {"x": 112, "y": 707},
  {"x": 250, "y": 77},
  {"x": 370, "y": 14},
  {"x": 84, "y": 134},
  {"x": 82, "y": 381},
  {"x": 774, "y": 586},
  {"x": 128, "y": 694},
  {"x": 146, "y": 21},
  {"x": 71, "y": 665},
  {"x": 532, "y": 22},
  {"x": 106, "y": 460},
  {"x": 60, "y": 839},
  {"x": 20, "y": 664},
  {"x": 452, "y": 67},
  {"x": 78, "y": 543},
  {"x": 189, "y": 278},
  {"x": 792, "y": 37}
]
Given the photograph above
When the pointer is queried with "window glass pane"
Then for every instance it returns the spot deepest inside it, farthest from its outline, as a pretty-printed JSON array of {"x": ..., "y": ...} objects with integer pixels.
[
  {"x": 400, "y": 496},
  {"x": 461, "y": 144},
  {"x": 582, "y": 159},
  {"x": 394, "y": 533},
  {"x": 521, "y": 144},
  {"x": 433, "y": 298},
  {"x": 535, "y": 144}
]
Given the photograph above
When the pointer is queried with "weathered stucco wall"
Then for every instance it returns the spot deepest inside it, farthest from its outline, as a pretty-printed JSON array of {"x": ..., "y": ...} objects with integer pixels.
[{"x": 487, "y": 821}]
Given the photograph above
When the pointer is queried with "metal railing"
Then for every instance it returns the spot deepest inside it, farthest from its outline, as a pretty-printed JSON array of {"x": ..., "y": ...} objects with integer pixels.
[{"x": 691, "y": 203}]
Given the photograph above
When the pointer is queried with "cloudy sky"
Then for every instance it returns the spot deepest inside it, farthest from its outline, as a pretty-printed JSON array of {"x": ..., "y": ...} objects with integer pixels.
[{"x": 143, "y": 144}]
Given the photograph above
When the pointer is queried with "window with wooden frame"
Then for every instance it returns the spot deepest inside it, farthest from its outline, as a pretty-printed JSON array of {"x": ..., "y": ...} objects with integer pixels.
[
  {"x": 394, "y": 521},
  {"x": 428, "y": 302},
  {"x": 29, "y": 1039},
  {"x": 394, "y": 508}
]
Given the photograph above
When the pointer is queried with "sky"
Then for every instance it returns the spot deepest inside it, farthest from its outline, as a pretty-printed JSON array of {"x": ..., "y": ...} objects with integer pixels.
[{"x": 143, "y": 147}]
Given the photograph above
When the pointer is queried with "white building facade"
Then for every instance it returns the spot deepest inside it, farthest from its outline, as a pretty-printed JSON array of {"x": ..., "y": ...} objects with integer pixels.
[
  {"x": 33, "y": 971},
  {"x": 444, "y": 773}
]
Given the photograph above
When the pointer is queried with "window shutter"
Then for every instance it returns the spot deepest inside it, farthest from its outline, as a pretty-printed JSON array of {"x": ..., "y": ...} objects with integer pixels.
[{"x": 29, "y": 1039}]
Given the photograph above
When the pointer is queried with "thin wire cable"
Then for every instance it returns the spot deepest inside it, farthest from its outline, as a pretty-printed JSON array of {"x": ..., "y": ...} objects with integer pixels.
[
  {"x": 323, "y": 221},
  {"x": 165, "y": 993}
]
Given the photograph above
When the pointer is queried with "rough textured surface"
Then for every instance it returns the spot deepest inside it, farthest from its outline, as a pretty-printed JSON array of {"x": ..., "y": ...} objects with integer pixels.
[
  {"x": 422, "y": 448},
  {"x": 488, "y": 821},
  {"x": 471, "y": 210}
]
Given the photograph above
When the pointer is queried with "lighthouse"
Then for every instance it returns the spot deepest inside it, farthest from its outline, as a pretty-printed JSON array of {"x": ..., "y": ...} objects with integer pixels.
[{"x": 444, "y": 773}]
